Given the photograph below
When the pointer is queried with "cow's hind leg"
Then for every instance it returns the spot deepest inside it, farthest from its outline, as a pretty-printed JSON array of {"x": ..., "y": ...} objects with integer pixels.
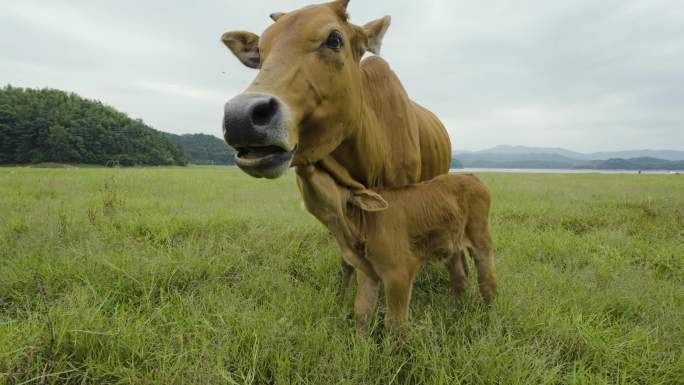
[{"x": 458, "y": 273}]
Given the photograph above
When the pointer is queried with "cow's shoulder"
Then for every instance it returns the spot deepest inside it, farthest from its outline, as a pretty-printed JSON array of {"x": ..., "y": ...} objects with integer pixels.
[
  {"x": 376, "y": 63},
  {"x": 378, "y": 70}
]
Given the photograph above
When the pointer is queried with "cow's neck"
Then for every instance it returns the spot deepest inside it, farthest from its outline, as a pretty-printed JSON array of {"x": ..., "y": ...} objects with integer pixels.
[
  {"x": 378, "y": 151},
  {"x": 358, "y": 154}
]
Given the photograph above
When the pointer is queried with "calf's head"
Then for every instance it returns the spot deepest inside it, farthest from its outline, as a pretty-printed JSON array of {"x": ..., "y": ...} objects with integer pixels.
[
  {"x": 307, "y": 94},
  {"x": 323, "y": 191}
]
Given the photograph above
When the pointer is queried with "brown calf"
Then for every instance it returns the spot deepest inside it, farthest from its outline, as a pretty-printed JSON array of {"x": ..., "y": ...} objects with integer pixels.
[{"x": 387, "y": 233}]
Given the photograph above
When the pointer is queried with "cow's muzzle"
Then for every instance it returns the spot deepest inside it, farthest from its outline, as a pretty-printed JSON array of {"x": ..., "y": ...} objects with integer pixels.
[{"x": 256, "y": 125}]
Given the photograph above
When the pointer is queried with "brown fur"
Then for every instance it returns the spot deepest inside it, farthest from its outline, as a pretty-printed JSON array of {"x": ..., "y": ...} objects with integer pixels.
[
  {"x": 394, "y": 229},
  {"x": 354, "y": 111},
  {"x": 352, "y": 115}
]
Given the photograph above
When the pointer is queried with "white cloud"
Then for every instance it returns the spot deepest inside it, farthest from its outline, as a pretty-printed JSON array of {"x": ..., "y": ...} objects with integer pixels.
[
  {"x": 581, "y": 74},
  {"x": 77, "y": 25},
  {"x": 175, "y": 90}
]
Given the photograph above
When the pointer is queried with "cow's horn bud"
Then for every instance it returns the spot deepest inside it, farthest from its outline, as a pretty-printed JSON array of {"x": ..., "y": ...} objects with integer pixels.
[{"x": 276, "y": 15}]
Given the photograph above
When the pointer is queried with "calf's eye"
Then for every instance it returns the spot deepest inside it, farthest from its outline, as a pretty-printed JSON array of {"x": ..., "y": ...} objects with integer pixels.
[{"x": 334, "y": 41}]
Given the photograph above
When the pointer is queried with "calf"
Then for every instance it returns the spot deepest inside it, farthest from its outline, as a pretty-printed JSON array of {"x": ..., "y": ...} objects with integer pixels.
[{"x": 385, "y": 234}]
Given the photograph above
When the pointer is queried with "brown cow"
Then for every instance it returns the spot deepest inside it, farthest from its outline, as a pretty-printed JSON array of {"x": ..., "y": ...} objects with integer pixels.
[
  {"x": 394, "y": 229},
  {"x": 314, "y": 98}
]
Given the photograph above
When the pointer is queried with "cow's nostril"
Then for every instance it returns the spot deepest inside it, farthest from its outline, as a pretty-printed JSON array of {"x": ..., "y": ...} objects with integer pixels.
[{"x": 263, "y": 113}]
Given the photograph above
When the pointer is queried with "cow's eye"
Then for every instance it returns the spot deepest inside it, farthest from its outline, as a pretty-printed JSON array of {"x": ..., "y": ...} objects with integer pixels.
[{"x": 334, "y": 41}]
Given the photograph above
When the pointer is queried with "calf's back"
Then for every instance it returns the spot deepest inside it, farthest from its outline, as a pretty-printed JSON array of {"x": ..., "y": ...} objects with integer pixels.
[{"x": 432, "y": 219}]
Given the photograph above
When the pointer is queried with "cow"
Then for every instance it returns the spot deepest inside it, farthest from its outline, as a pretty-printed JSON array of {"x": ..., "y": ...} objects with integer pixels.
[
  {"x": 397, "y": 228},
  {"x": 316, "y": 100}
]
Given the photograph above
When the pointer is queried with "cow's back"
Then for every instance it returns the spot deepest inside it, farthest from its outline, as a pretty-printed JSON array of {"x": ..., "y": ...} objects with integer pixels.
[{"x": 435, "y": 146}]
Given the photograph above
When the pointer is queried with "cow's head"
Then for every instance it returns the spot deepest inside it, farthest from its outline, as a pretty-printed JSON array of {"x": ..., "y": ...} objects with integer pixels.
[{"x": 303, "y": 102}]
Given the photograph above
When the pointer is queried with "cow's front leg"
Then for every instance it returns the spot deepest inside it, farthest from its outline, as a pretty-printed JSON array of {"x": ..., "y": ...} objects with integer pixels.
[{"x": 366, "y": 299}]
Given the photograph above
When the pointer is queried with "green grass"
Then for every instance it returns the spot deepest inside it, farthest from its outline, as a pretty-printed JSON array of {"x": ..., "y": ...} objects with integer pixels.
[{"x": 206, "y": 276}]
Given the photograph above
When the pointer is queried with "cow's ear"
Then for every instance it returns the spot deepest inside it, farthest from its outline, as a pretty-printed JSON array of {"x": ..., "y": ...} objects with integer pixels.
[
  {"x": 245, "y": 46},
  {"x": 375, "y": 31},
  {"x": 368, "y": 200}
]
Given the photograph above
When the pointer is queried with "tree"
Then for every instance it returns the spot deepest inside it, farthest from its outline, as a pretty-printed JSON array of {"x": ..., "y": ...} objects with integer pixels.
[
  {"x": 205, "y": 149},
  {"x": 54, "y": 126}
]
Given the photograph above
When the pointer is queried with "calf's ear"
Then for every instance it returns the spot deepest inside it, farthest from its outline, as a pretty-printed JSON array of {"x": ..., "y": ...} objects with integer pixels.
[
  {"x": 368, "y": 200},
  {"x": 245, "y": 46},
  {"x": 375, "y": 31}
]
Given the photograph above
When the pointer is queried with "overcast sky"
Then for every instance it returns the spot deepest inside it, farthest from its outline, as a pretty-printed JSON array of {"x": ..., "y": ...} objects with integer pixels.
[{"x": 586, "y": 75}]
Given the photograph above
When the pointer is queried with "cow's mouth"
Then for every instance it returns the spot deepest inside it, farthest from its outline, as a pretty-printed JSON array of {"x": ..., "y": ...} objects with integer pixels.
[{"x": 263, "y": 162}]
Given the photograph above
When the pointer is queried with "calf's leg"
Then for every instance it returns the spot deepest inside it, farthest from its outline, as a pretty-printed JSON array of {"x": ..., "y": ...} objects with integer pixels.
[
  {"x": 486, "y": 275},
  {"x": 464, "y": 261},
  {"x": 458, "y": 273},
  {"x": 366, "y": 299},
  {"x": 479, "y": 234},
  {"x": 398, "y": 286},
  {"x": 347, "y": 271}
]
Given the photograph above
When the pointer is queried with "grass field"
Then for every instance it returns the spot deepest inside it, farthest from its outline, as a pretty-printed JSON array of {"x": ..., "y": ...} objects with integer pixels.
[{"x": 206, "y": 276}]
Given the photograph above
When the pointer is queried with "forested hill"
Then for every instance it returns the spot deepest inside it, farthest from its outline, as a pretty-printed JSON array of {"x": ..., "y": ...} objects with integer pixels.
[
  {"x": 54, "y": 126},
  {"x": 204, "y": 149}
]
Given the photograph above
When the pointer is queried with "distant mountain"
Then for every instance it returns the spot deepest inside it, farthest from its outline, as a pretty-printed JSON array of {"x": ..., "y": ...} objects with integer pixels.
[
  {"x": 644, "y": 163},
  {"x": 523, "y": 150},
  {"x": 559, "y": 158},
  {"x": 487, "y": 159},
  {"x": 658, "y": 154},
  {"x": 204, "y": 149}
]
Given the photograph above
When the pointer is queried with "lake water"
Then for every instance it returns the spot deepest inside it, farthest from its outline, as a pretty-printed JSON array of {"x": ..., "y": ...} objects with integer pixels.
[{"x": 561, "y": 171}]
